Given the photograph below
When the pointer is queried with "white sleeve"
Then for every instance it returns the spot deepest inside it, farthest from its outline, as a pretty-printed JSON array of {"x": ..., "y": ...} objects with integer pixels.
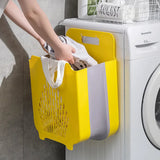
[{"x": 3, "y": 4}]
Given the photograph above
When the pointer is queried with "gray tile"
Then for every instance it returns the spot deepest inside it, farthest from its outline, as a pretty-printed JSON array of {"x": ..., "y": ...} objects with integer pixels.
[
  {"x": 11, "y": 146},
  {"x": 11, "y": 118}
]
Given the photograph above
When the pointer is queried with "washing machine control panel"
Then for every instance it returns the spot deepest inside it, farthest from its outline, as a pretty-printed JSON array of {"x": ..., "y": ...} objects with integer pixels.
[{"x": 142, "y": 40}]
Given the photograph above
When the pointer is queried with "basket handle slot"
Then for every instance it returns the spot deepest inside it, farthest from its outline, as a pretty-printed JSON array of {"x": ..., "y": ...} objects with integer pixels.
[{"x": 90, "y": 40}]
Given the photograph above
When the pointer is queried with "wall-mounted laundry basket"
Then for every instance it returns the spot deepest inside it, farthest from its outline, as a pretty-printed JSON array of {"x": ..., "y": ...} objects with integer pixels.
[
  {"x": 85, "y": 106},
  {"x": 121, "y": 11}
]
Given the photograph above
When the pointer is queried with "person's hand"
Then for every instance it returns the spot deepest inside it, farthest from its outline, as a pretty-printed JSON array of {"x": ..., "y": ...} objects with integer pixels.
[{"x": 65, "y": 53}]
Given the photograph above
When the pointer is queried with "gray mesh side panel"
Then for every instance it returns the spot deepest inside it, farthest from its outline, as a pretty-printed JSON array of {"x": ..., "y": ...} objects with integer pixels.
[{"x": 98, "y": 102}]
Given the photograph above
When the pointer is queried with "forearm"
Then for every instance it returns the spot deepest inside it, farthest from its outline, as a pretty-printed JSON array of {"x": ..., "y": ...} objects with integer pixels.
[
  {"x": 40, "y": 22},
  {"x": 17, "y": 16}
]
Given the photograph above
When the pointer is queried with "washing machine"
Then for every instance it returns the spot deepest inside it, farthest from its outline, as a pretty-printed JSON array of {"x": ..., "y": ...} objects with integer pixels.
[{"x": 138, "y": 56}]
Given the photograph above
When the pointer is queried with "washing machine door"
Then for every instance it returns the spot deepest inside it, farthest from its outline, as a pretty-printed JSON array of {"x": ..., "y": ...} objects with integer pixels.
[{"x": 151, "y": 109}]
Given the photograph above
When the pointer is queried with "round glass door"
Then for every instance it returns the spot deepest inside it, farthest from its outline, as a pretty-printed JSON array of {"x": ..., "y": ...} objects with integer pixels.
[
  {"x": 157, "y": 109},
  {"x": 151, "y": 109}
]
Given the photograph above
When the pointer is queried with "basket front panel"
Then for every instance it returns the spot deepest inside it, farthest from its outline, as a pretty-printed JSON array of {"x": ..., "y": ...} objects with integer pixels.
[{"x": 57, "y": 112}]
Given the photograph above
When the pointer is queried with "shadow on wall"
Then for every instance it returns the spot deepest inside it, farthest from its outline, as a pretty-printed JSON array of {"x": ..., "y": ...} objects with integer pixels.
[
  {"x": 71, "y": 9},
  {"x": 18, "y": 136}
]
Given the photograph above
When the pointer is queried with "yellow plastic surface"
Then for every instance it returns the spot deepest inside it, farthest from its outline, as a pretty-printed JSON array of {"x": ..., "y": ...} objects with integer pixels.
[
  {"x": 104, "y": 52},
  {"x": 60, "y": 114},
  {"x": 63, "y": 114},
  {"x": 111, "y": 74}
]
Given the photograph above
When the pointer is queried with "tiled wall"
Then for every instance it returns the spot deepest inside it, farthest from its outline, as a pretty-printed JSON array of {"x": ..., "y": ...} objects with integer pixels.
[{"x": 18, "y": 136}]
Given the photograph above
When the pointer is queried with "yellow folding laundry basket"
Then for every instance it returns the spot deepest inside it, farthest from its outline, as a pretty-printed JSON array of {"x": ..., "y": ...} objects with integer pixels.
[{"x": 85, "y": 106}]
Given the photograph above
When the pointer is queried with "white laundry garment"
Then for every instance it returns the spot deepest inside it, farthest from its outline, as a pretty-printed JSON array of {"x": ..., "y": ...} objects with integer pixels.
[
  {"x": 50, "y": 66},
  {"x": 48, "y": 49},
  {"x": 142, "y": 9},
  {"x": 3, "y": 4},
  {"x": 81, "y": 57},
  {"x": 116, "y": 11}
]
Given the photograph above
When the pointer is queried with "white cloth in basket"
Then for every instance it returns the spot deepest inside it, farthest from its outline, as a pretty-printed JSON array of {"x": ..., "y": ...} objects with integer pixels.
[{"x": 81, "y": 57}]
